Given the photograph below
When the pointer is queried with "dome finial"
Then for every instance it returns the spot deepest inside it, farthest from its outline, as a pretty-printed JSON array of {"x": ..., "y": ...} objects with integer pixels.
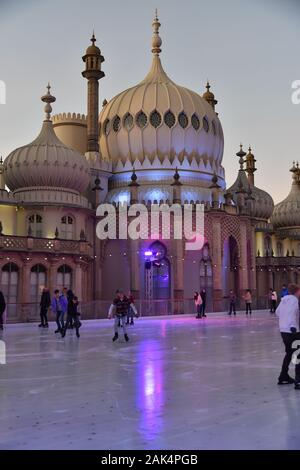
[
  {"x": 156, "y": 39},
  {"x": 48, "y": 98},
  {"x": 93, "y": 39},
  {"x": 241, "y": 154}
]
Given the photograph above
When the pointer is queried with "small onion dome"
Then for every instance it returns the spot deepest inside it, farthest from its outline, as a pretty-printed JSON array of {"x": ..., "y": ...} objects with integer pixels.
[
  {"x": 209, "y": 96},
  {"x": 46, "y": 162},
  {"x": 286, "y": 214},
  {"x": 93, "y": 49},
  {"x": 263, "y": 203}
]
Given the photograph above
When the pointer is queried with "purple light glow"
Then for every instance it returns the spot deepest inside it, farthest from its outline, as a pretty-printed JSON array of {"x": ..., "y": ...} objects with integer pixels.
[{"x": 148, "y": 253}]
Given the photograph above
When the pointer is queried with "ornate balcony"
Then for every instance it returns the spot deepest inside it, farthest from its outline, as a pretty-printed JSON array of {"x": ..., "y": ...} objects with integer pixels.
[{"x": 45, "y": 245}]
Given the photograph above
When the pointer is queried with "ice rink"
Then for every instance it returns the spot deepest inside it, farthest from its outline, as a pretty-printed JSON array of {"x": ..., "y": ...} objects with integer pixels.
[{"x": 180, "y": 383}]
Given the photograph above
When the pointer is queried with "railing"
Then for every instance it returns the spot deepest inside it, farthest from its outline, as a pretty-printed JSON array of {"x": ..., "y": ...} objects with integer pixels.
[
  {"x": 17, "y": 243},
  {"x": 98, "y": 309}
]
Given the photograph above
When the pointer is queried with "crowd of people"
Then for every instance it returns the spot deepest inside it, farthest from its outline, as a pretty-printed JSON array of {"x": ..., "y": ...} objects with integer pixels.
[{"x": 64, "y": 305}]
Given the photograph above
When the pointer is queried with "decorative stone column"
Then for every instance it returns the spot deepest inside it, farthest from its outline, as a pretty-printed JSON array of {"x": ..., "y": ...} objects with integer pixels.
[
  {"x": 52, "y": 280},
  {"x": 134, "y": 266},
  {"x": 24, "y": 294},
  {"x": 78, "y": 279},
  {"x": 217, "y": 263},
  {"x": 252, "y": 271},
  {"x": 178, "y": 285},
  {"x": 244, "y": 280}
]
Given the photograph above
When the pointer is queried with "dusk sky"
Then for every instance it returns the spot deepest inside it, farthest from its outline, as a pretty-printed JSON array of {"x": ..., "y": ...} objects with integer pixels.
[{"x": 249, "y": 50}]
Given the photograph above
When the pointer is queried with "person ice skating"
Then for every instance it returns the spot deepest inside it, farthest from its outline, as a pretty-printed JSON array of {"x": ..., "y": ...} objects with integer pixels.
[
  {"x": 44, "y": 307},
  {"x": 288, "y": 313},
  {"x": 273, "y": 301},
  {"x": 284, "y": 291},
  {"x": 198, "y": 303},
  {"x": 63, "y": 298},
  {"x": 203, "y": 305},
  {"x": 130, "y": 314},
  {"x": 57, "y": 309},
  {"x": 70, "y": 318},
  {"x": 232, "y": 303},
  {"x": 2, "y": 309},
  {"x": 248, "y": 301},
  {"x": 72, "y": 315},
  {"x": 119, "y": 309}
]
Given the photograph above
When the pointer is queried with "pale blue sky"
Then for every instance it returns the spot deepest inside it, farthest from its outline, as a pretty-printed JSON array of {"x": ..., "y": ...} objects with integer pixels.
[{"x": 249, "y": 50}]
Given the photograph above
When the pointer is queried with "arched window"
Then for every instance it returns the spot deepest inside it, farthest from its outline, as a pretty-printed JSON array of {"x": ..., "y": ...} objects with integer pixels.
[
  {"x": 268, "y": 245},
  {"x": 38, "y": 277},
  {"x": 205, "y": 124},
  {"x": 64, "y": 277},
  {"x": 279, "y": 249},
  {"x": 67, "y": 227},
  {"x": 9, "y": 285},
  {"x": 157, "y": 272},
  {"x": 35, "y": 225}
]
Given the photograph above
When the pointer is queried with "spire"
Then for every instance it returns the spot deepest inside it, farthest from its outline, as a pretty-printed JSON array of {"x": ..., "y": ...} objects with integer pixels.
[
  {"x": 93, "y": 73},
  {"x": 133, "y": 178},
  {"x": 156, "y": 39},
  {"x": 241, "y": 154},
  {"x": 176, "y": 178},
  {"x": 209, "y": 96},
  {"x": 48, "y": 98},
  {"x": 250, "y": 166},
  {"x": 296, "y": 173}
]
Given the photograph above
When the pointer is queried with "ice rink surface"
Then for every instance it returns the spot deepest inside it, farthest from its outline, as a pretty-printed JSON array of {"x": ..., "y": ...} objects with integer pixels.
[{"x": 180, "y": 383}]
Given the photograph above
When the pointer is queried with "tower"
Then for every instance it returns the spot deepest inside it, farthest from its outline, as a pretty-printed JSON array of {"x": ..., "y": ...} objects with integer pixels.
[
  {"x": 93, "y": 73},
  {"x": 250, "y": 166}
]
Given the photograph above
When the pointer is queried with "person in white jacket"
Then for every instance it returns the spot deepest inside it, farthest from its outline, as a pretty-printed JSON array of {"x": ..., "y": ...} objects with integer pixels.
[
  {"x": 288, "y": 314},
  {"x": 198, "y": 303}
]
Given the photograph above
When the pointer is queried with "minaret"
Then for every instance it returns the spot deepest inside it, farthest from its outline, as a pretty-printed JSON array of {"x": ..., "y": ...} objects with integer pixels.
[
  {"x": 209, "y": 96},
  {"x": 250, "y": 166},
  {"x": 93, "y": 73}
]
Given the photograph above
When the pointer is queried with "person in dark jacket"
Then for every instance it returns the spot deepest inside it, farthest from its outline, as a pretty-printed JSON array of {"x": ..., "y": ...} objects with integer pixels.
[
  {"x": 44, "y": 306},
  {"x": 232, "y": 303},
  {"x": 72, "y": 315},
  {"x": 119, "y": 309},
  {"x": 203, "y": 305},
  {"x": 130, "y": 314},
  {"x": 284, "y": 291},
  {"x": 2, "y": 309},
  {"x": 70, "y": 297}
]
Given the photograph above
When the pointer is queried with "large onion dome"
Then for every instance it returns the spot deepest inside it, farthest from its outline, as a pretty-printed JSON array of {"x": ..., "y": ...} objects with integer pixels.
[
  {"x": 263, "y": 204},
  {"x": 158, "y": 124},
  {"x": 46, "y": 162},
  {"x": 286, "y": 215}
]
